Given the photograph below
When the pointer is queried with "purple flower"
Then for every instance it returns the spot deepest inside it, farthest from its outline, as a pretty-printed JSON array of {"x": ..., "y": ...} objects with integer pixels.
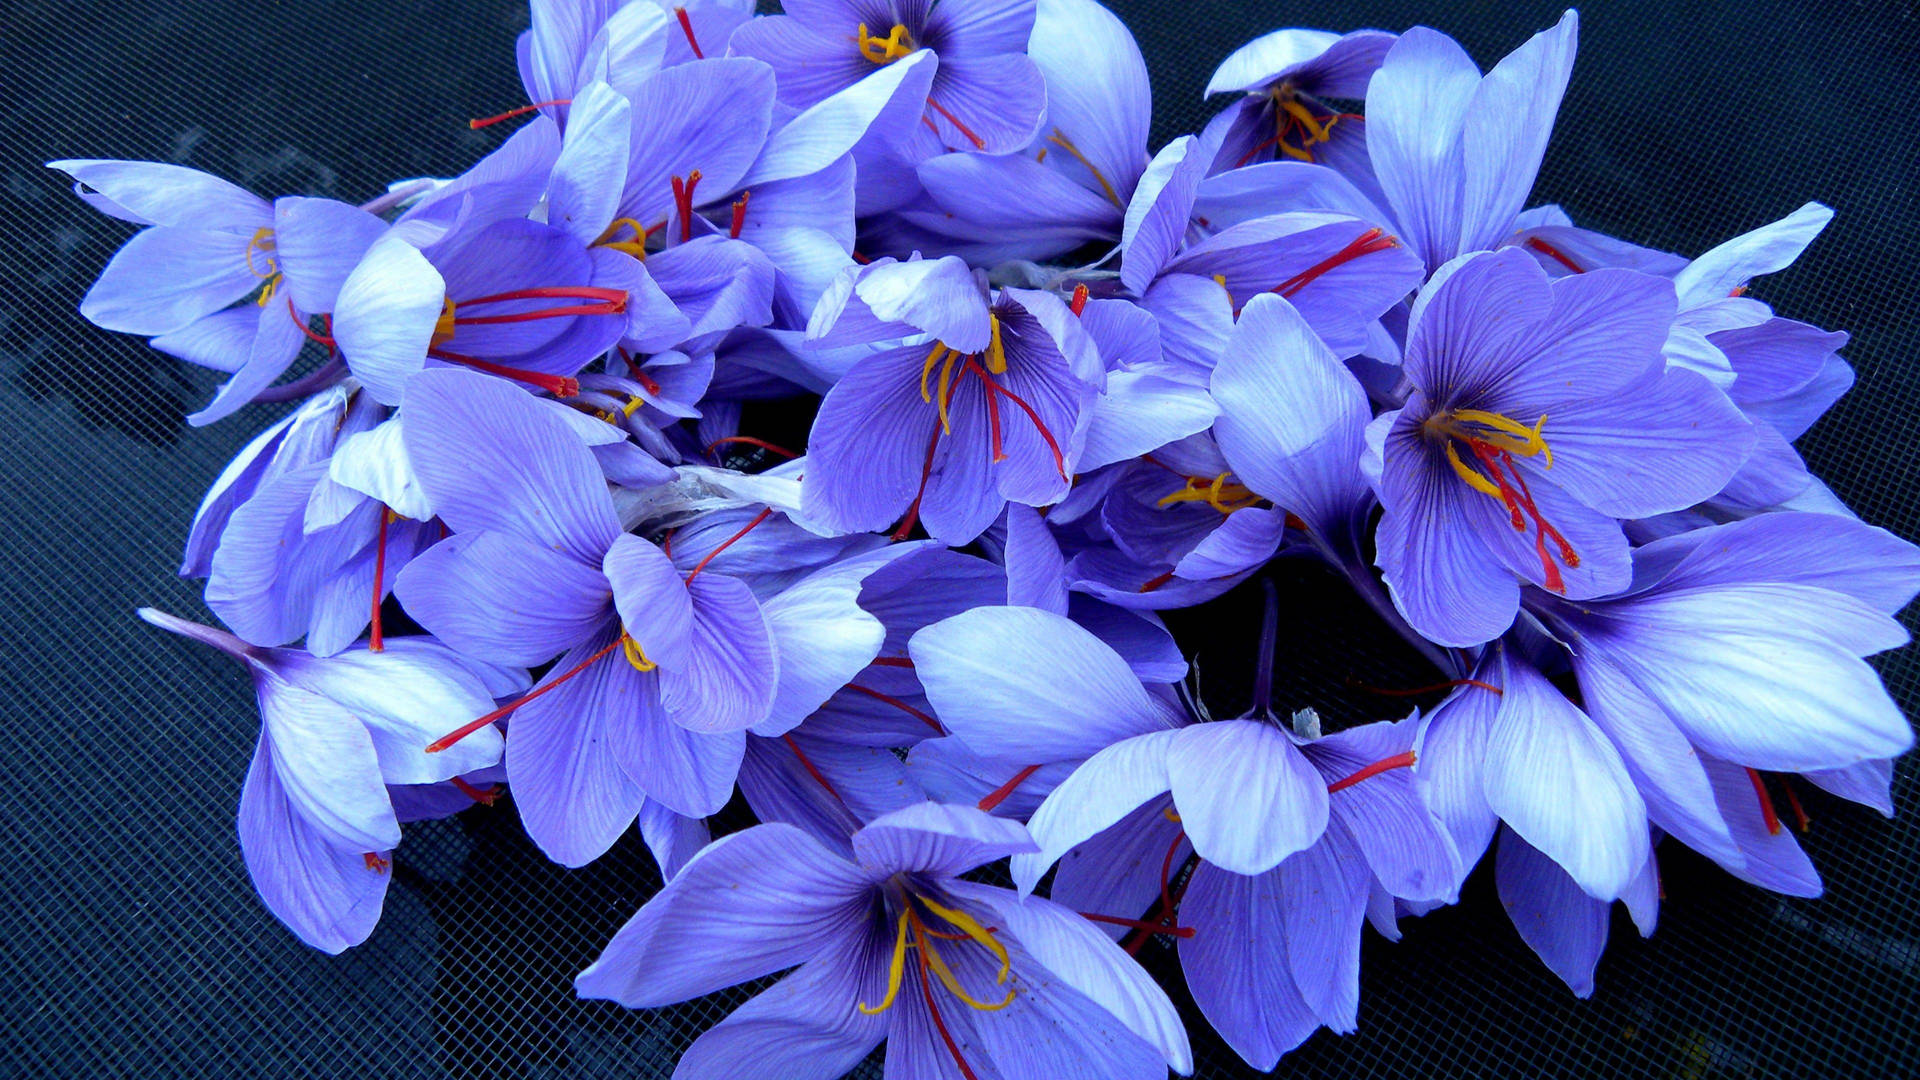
[
  {"x": 316, "y": 825},
  {"x": 1283, "y": 76},
  {"x": 986, "y": 95},
  {"x": 992, "y": 409},
  {"x": 1541, "y": 413},
  {"x": 661, "y": 667},
  {"x": 957, "y": 978}
]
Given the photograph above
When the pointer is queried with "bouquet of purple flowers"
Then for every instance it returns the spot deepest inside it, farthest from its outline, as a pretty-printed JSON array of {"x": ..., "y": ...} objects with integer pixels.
[{"x": 517, "y": 532}]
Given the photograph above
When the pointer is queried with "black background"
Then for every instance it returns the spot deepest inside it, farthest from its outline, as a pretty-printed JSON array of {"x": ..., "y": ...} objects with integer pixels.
[{"x": 130, "y": 941}]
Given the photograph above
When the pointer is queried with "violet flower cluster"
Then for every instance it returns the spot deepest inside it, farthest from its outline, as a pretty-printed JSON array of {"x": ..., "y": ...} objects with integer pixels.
[{"x": 518, "y": 532}]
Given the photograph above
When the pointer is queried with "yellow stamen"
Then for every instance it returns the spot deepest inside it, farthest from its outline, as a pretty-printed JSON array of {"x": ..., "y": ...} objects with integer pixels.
[
  {"x": 633, "y": 405},
  {"x": 273, "y": 286},
  {"x": 933, "y": 357},
  {"x": 262, "y": 241},
  {"x": 972, "y": 928},
  {"x": 1305, "y": 116},
  {"x": 443, "y": 326},
  {"x": 1217, "y": 493},
  {"x": 636, "y": 247},
  {"x": 996, "y": 354},
  {"x": 635, "y": 654},
  {"x": 1474, "y": 479},
  {"x": 1060, "y": 140},
  {"x": 895, "y": 971},
  {"x": 1168, "y": 813},
  {"x": 886, "y": 50},
  {"x": 946, "y": 391},
  {"x": 1508, "y": 434},
  {"x": 1221, "y": 280},
  {"x": 1294, "y": 152}
]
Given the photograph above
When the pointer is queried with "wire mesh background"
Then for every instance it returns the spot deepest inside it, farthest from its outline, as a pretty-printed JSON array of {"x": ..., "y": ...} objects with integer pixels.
[{"x": 133, "y": 944}]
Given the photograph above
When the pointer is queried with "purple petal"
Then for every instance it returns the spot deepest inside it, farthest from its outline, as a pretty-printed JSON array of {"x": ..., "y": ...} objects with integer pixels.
[
  {"x": 165, "y": 278},
  {"x": 937, "y": 838},
  {"x": 1157, "y": 216},
  {"x": 328, "y": 895},
  {"x": 805, "y": 1026},
  {"x": 495, "y": 596},
  {"x": 1417, "y": 104},
  {"x": 710, "y": 115},
  {"x": 324, "y": 761},
  {"x": 672, "y": 838},
  {"x": 172, "y": 196},
  {"x": 655, "y": 607},
  {"x": 750, "y": 904},
  {"x": 1104, "y": 790},
  {"x": 1098, "y": 93},
  {"x": 1774, "y": 859},
  {"x": 1564, "y": 926},
  {"x": 276, "y": 341},
  {"x": 869, "y": 444},
  {"x": 1409, "y": 851},
  {"x": 318, "y": 242},
  {"x": 1117, "y": 871},
  {"x": 1235, "y": 964},
  {"x": 1323, "y": 64},
  {"x": 385, "y": 313},
  {"x": 1765, "y": 250},
  {"x": 727, "y": 681},
  {"x": 888, "y": 98},
  {"x": 1506, "y": 128},
  {"x": 1322, "y": 897},
  {"x": 583, "y": 195},
  {"x": 1245, "y": 793}
]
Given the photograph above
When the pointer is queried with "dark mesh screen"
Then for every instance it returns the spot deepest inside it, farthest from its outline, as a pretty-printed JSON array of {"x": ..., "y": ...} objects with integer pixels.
[{"x": 133, "y": 943}]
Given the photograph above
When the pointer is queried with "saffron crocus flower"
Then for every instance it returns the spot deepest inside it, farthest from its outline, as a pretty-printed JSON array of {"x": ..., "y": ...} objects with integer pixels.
[
  {"x": 208, "y": 245},
  {"x": 316, "y": 826},
  {"x": 1291, "y": 833},
  {"x": 1283, "y": 78},
  {"x": 660, "y": 670},
  {"x": 957, "y": 978},
  {"x": 1542, "y": 412},
  {"x": 986, "y": 95},
  {"x": 1742, "y": 643},
  {"x": 988, "y": 404}
]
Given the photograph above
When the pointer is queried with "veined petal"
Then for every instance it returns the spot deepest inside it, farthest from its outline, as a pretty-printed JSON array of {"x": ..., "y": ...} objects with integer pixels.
[
  {"x": 172, "y": 196},
  {"x": 317, "y": 243},
  {"x": 1245, "y": 793},
  {"x": 1104, "y": 790},
  {"x": 1563, "y": 925},
  {"x": 1506, "y": 129},
  {"x": 497, "y": 597},
  {"x": 937, "y": 838},
  {"x": 727, "y": 680},
  {"x": 165, "y": 278},
  {"x": 655, "y": 607},
  {"x": 324, "y": 761},
  {"x": 1235, "y": 964},
  {"x": 583, "y": 194},
  {"x": 325, "y": 893},
  {"x": 384, "y": 315},
  {"x": 1417, "y": 104}
]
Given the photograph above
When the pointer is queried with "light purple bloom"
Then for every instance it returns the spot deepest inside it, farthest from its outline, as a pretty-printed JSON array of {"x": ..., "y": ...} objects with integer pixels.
[
  {"x": 316, "y": 825},
  {"x": 1283, "y": 77},
  {"x": 1542, "y": 412},
  {"x": 890, "y": 944}
]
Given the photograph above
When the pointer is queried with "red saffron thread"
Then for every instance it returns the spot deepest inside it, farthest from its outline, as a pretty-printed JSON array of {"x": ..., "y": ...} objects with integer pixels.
[
  {"x": 472, "y": 726},
  {"x": 376, "y": 640},
  {"x": 999, "y": 795},
  {"x": 808, "y": 765},
  {"x": 489, "y": 121},
  {"x": 1767, "y": 813},
  {"x": 728, "y": 542},
  {"x": 1397, "y": 761},
  {"x": 898, "y": 704},
  {"x": 686, "y": 27}
]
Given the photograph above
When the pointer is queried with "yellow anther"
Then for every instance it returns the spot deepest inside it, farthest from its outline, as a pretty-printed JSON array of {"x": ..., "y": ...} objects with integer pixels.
[
  {"x": 635, "y": 654},
  {"x": 262, "y": 241},
  {"x": 886, "y": 50},
  {"x": 1474, "y": 480},
  {"x": 1221, "y": 280},
  {"x": 273, "y": 286},
  {"x": 1294, "y": 152},
  {"x": 1217, "y": 493},
  {"x": 996, "y": 354},
  {"x": 634, "y": 401},
  {"x": 443, "y": 326},
  {"x": 946, "y": 391},
  {"x": 1168, "y": 813},
  {"x": 1508, "y": 434},
  {"x": 895, "y": 971},
  {"x": 1301, "y": 113},
  {"x": 1059, "y": 139},
  {"x": 636, "y": 247},
  {"x": 933, "y": 357},
  {"x": 972, "y": 928}
]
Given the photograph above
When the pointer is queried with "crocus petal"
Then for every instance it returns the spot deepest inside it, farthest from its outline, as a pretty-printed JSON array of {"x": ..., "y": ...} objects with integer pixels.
[
  {"x": 276, "y": 342},
  {"x": 828, "y": 129},
  {"x": 655, "y": 608},
  {"x": 1233, "y": 967},
  {"x": 1764, "y": 250},
  {"x": 869, "y": 444},
  {"x": 1245, "y": 793},
  {"x": 1774, "y": 859},
  {"x": 165, "y": 278},
  {"x": 1408, "y": 850},
  {"x": 495, "y": 596},
  {"x": 716, "y": 283},
  {"x": 1452, "y": 749},
  {"x": 710, "y": 115},
  {"x": 1157, "y": 216},
  {"x": 823, "y": 637},
  {"x": 171, "y": 195},
  {"x": 1329, "y": 65},
  {"x": 220, "y": 341},
  {"x": 1323, "y": 900},
  {"x": 937, "y": 838},
  {"x": 1098, "y": 93},
  {"x": 1555, "y": 779},
  {"x": 1417, "y": 104},
  {"x": 750, "y": 904},
  {"x": 573, "y": 797},
  {"x": 1028, "y": 685},
  {"x": 1565, "y": 927},
  {"x": 810, "y": 63},
  {"x": 1869, "y": 564},
  {"x": 727, "y": 680},
  {"x": 1054, "y": 216},
  {"x": 1036, "y": 572},
  {"x": 317, "y": 243},
  {"x": 492, "y": 457},
  {"x": 1118, "y": 869},
  {"x": 584, "y": 193},
  {"x": 326, "y": 894},
  {"x": 803, "y": 1027},
  {"x": 384, "y": 315},
  {"x": 1074, "y": 951},
  {"x": 324, "y": 761},
  {"x": 1506, "y": 129},
  {"x": 1104, "y": 790},
  {"x": 672, "y": 838},
  {"x": 1195, "y": 316}
]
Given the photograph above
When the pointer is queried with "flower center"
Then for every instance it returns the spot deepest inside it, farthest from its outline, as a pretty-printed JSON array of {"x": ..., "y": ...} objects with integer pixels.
[
  {"x": 1297, "y": 126},
  {"x": 1494, "y": 439},
  {"x": 595, "y": 301},
  {"x": 913, "y": 934},
  {"x": 885, "y": 50},
  {"x": 955, "y": 366},
  {"x": 269, "y": 268}
]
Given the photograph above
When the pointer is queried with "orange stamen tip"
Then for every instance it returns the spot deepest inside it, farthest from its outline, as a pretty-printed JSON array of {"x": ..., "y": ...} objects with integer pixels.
[
  {"x": 1157, "y": 581},
  {"x": 1079, "y": 302},
  {"x": 375, "y": 863}
]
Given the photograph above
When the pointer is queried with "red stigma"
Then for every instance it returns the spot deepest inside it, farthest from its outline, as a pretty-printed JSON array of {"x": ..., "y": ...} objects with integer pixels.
[
  {"x": 317, "y": 339},
  {"x": 818, "y": 777},
  {"x": 739, "y": 215},
  {"x": 1141, "y": 924},
  {"x": 891, "y": 661},
  {"x": 978, "y": 143},
  {"x": 489, "y": 121},
  {"x": 1169, "y": 899},
  {"x": 729, "y": 541},
  {"x": 993, "y": 417},
  {"x": 953, "y": 1048},
  {"x": 1767, "y": 813},
  {"x": 1554, "y": 253},
  {"x": 561, "y": 386},
  {"x": 926, "y": 470},
  {"x": 999, "y": 795},
  {"x": 749, "y": 440},
  {"x": 1518, "y": 499},
  {"x": 503, "y": 711},
  {"x": 1418, "y": 690},
  {"x": 1365, "y": 244},
  {"x": 375, "y": 863},
  {"x": 483, "y": 797},
  {"x": 1078, "y": 304},
  {"x": 376, "y": 640},
  {"x": 898, "y": 704},
  {"x": 1397, "y": 761},
  {"x": 1156, "y": 581},
  {"x": 600, "y": 301},
  {"x": 683, "y": 202},
  {"x": 686, "y": 27}
]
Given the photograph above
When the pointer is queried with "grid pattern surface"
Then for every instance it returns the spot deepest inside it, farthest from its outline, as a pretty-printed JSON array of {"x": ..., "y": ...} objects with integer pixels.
[{"x": 133, "y": 943}]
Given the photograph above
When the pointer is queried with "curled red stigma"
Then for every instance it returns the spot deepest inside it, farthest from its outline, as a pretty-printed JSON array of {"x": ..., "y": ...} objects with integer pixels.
[
  {"x": 1519, "y": 502},
  {"x": 739, "y": 215},
  {"x": 683, "y": 202},
  {"x": 484, "y": 798},
  {"x": 1156, "y": 581},
  {"x": 1078, "y": 304},
  {"x": 1365, "y": 244}
]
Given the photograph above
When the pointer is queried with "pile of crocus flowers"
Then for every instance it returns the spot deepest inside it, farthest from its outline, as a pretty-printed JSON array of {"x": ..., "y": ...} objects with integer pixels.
[{"x": 516, "y": 533}]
